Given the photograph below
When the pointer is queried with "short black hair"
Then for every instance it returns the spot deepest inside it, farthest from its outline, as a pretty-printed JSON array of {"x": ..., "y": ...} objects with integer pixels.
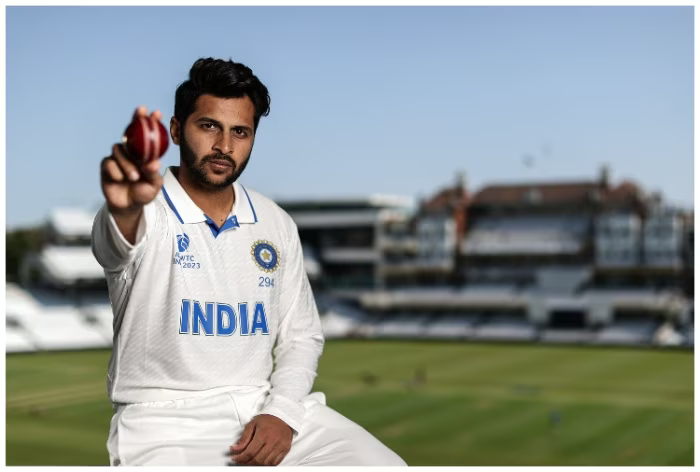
[{"x": 224, "y": 79}]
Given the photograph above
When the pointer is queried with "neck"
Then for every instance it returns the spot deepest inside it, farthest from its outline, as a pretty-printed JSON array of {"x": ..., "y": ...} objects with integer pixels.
[{"x": 213, "y": 202}]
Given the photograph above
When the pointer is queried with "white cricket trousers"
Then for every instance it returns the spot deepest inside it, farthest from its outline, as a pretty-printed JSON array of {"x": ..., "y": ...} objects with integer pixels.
[{"x": 200, "y": 430}]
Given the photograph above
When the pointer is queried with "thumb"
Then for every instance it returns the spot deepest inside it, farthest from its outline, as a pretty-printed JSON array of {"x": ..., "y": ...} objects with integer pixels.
[{"x": 244, "y": 439}]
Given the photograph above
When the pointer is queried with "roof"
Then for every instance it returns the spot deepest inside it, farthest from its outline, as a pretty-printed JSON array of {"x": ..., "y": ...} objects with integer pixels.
[
  {"x": 71, "y": 263},
  {"x": 623, "y": 191},
  {"x": 447, "y": 198},
  {"x": 548, "y": 192},
  {"x": 71, "y": 222},
  {"x": 338, "y": 203},
  {"x": 555, "y": 192}
]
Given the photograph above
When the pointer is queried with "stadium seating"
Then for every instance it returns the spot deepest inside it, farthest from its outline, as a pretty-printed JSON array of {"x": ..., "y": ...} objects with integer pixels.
[
  {"x": 67, "y": 265},
  {"x": 338, "y": 319},
  {"x": 312, "y": 266},
  {"x": 668, "y": 335},
  {"x": 54, "y": 297},
  {"x": 505, "y": 328},
  {"x": 59, "y": 328},
  {"x": 690, "y": 335},
  {"x": 16, "y": 340},
  {"x": 629, "y": 332},
  {"x": 19, "y": 302},
  {"x": 401, "y": 326},
  {"x": 429, "y": 298},
  {"x": 100, "y": 316},
  {"x": 562, "y": 335},
  {"x": 50, "y": 320},
  {"x": 561, "y": 280},
  {"x": 45, "y": 319},
  {"x": 452, "y": 327},
  {"x": 526, "y": 234}
]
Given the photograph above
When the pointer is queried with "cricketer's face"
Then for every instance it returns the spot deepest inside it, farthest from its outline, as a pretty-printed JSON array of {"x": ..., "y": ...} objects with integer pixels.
[{"x": 216, "y": 140}]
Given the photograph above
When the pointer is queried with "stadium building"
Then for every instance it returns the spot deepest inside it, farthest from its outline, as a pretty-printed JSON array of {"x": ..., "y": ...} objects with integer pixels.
[
  {"x": 565, "y": 262},
  {"x": 62, "y": 302},
  {"x": 579, "y": 262}
]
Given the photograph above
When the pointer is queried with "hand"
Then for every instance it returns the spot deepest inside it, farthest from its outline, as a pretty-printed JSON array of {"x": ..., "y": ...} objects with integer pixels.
[
  {"x": 266, "y": 440},
  {"x": 127, "y": 187}
]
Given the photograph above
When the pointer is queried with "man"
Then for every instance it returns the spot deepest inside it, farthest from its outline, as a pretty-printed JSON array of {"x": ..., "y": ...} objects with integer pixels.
[{"x": 216, "y": 333}]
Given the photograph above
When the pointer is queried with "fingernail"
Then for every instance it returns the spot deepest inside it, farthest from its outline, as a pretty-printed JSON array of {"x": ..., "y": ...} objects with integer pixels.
[{"x": 133, "y": 175}]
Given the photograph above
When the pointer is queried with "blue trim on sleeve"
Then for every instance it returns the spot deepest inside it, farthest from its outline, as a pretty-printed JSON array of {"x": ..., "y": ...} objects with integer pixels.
[
  {"x": 167, "y": 199},
  {"x": 251, "y": 203}
]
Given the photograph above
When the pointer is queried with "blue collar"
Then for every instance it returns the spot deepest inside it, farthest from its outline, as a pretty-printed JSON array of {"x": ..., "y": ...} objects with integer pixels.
[{"x": 188, "y": 212}]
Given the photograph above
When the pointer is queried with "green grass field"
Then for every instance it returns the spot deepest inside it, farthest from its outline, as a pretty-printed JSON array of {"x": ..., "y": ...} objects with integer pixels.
[{"x": 480, "y": 404}]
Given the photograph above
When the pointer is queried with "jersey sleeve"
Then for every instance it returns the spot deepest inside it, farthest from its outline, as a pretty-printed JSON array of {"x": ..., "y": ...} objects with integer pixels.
[
  {"x": 110, "y": 248},
  {"x": 299, "y": 341}
]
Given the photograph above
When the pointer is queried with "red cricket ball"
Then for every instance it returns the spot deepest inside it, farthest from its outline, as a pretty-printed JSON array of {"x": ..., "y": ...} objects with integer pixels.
[{"x": 144, "y": 143}]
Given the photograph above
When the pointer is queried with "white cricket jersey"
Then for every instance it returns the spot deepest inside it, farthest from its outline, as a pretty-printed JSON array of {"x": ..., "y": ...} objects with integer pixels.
[{"x": 197, "y": 307}]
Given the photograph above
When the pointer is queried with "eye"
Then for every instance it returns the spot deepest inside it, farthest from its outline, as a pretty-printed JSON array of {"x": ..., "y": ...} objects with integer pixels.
[
  {"x": 241, "y": 132},
  {"x": 208, "y": 125}
]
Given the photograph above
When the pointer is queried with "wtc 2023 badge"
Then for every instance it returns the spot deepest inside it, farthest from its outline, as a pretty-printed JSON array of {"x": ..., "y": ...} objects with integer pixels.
[{"x": 265, "y": 255}]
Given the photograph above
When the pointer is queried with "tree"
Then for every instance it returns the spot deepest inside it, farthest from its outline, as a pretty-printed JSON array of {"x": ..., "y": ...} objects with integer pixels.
[{"x": 18, "y": 243}]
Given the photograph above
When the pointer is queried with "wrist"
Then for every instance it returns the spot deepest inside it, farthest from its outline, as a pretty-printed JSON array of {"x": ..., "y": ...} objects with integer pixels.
[{"x": 127, "y": 212}]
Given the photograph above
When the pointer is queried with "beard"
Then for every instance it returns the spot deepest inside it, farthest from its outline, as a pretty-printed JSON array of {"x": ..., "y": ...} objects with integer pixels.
[{"x": 198, "y": 171}]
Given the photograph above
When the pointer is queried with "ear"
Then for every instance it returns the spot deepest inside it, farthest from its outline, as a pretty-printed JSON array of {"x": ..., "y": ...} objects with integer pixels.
[{"x": 175, "y": 130}]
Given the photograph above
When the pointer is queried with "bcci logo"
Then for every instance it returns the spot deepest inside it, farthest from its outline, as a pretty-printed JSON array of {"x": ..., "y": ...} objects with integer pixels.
[
  {"x": 265, "y": 255},
  {"x": 183, "y": 242}
]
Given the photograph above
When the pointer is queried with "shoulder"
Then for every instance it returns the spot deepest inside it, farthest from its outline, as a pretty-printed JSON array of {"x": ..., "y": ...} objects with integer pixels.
[
  {"x": 267, "y": 210},
  {"x": 160, "y": 205}
]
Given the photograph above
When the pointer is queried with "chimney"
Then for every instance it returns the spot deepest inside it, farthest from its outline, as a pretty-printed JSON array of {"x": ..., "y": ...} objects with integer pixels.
[
  {"x": 461, "y": 180},
  {"x": 605, "y": 176}
]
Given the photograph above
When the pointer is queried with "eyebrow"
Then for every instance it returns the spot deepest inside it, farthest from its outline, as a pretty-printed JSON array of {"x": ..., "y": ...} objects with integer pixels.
[{"x": 216, "y": 122}]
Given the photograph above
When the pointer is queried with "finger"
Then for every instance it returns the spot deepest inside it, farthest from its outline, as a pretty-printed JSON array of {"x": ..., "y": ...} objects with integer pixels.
[
  {"x": 111, "y": 171},
  {"x": 244, "y": 439},
  {"x": 140, "y": 112},
  {"x": 155, "y": 118},
  {"x": 266, "y": 454},
  {"x": 280, "y": 457},
  {"x": 251, "y": 451},
  {"x": 119, "y": 154}
]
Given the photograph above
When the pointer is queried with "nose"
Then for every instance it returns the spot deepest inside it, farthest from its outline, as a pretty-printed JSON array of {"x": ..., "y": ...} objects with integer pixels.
[{"x": 225, "y": 144}]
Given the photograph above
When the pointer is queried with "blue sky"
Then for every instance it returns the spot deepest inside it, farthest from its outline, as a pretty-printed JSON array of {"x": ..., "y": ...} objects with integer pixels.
[{"x": 365, "y": 100}]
